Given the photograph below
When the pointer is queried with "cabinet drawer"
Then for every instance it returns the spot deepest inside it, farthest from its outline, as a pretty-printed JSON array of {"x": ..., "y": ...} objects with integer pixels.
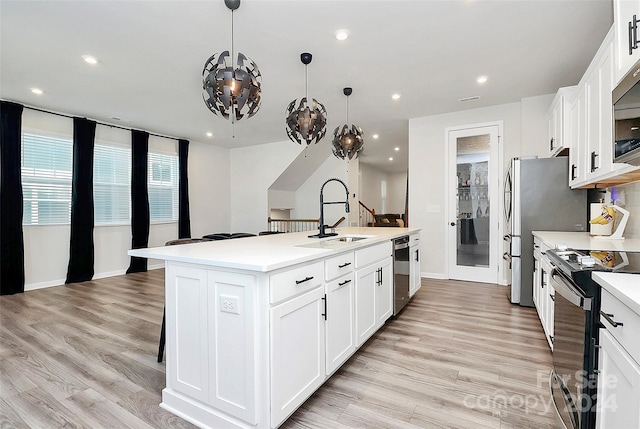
[
  {"x": 414, "y": 239},
  {"x": 627, "y": 333},
  {"x": 338, "y": 266},
  {"x": 369, "y": 255},
  {"x": 289, "y": 283}
]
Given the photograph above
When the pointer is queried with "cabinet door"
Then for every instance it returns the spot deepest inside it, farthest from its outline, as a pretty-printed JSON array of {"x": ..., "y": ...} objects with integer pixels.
[
  {"x": 297, "y": 352},
  {"x": 414, "y": 270},
  {"x": 384, "y": 292},
  {"x": 340, "y": 332},
  {"x": 626, "y": 57},
  {"x": 536, "y": 283},
  {"x": 618, "y": 386},
  {"x": 186, "y": 331},
  {"x": 577, "y": 156},
  {"x": 366, "y": 284}
]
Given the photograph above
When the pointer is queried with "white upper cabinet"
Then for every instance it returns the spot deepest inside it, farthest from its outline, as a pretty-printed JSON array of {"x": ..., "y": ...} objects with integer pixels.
[
  {"x": 626, "y": 14},
  {"x": 591, "y": 125},
  {"x": 558, "y": 126}
]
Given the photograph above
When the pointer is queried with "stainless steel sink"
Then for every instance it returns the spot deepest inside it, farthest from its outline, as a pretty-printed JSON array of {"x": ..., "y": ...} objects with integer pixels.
[
  {"x": 336, "y": 242},
  {"x": 349, "y": 239}
]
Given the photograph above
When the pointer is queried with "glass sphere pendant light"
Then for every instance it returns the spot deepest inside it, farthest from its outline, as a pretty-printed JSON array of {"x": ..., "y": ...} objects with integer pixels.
[
  {"x": 306, "y": 123},
  {"x": 231, "y": 90},
  {"x": 347, "y": 142}
]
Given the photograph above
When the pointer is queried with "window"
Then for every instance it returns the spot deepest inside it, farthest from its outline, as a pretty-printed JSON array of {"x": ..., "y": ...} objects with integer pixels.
[
  {"x": 46, "y": 182},
  {"x": 46, "y": 167},
  {"x": 163, "y": 187},
  {"x": 111, "y": 184}
]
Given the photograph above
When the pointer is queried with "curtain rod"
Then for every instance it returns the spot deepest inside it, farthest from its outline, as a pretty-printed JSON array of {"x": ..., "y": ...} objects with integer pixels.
[{"x": 64, "y": 115}]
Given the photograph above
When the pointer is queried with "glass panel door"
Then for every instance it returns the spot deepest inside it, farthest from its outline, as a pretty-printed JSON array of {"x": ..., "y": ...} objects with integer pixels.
[{"x": 473, "y": 204}]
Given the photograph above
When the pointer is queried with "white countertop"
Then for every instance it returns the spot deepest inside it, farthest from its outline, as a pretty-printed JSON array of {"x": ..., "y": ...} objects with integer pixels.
[
  {"x": 584, "y": 241},
  {"x": 269, "y": 252},
  {"x": 625, "y": 287}
]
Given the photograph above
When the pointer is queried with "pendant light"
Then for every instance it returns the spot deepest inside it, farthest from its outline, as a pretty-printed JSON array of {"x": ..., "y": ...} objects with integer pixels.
[
  {"x": 231, "y": 90},
  {"x": 348, "y": 142},
  {"x": 307, "y": 122}
]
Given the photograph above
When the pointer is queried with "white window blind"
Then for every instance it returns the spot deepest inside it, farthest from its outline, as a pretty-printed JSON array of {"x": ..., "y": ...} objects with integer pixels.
[
  {"x": 111, "y": 184},
  {"x": 163, "y": 187},
  {"x": 46, "y": 167}
]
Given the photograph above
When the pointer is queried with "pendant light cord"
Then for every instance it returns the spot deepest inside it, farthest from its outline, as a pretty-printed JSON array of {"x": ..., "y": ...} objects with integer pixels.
[
  {"x": 347, "y": 110},
  {"x": 306, "y": 83},
  {"x": 233, "y": 67}
]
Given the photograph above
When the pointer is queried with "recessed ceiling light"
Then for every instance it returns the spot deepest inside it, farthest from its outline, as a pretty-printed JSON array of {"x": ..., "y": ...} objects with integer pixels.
[
  {"x": 390, "y": 158},
  {"x": 482, "y": 79},
  {"x": 635, "y": 128},
  {"x": 90, "y": 59},
  {"x": 342, "y": 34},
  {"x": 395, "y": 96},
  {"x": 396, "y": 149},
  {"x": 209, "y": 134},
  {"x": 375, "y": 136},
  {"x": 37, "y": 91}
]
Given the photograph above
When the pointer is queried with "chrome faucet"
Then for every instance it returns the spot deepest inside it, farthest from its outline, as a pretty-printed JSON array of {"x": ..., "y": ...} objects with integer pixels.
[{"x": 322, "y": 232}]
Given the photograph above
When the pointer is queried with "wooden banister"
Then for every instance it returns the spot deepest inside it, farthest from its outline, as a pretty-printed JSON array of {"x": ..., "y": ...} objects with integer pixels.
[{"x": 372, "y": 212}]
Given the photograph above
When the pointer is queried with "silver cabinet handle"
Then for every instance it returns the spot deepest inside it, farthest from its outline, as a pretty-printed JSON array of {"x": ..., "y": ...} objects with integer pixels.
[{"x": 609, "y": 318}]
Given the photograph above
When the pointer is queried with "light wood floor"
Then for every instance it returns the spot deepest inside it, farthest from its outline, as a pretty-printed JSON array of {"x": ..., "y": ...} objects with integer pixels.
[{"x": 459, "y": 356}]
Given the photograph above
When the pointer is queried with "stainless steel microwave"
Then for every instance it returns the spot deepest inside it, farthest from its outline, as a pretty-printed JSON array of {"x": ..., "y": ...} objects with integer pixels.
[{"x": 626, "y": 118}]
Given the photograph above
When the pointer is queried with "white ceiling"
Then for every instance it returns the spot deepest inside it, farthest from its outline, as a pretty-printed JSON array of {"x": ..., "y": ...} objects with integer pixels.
[{"x": 152, "y": 54}]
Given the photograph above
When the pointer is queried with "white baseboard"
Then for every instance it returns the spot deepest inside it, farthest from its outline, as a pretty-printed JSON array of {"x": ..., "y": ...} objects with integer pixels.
[
  {"x": 60, "y": 282},
  {"x": 42, "y": 285},
  {"x": 439, "y": 276}
]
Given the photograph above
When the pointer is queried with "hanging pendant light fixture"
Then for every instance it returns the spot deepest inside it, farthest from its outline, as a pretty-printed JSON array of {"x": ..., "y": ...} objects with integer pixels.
[
  {"x": 307, "y": 122},
  {"x": 348, "y": 142},
  {"x": 231, "y": 91}
]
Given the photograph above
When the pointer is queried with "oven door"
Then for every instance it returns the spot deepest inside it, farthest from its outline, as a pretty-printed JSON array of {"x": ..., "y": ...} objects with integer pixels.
[{"x": 569, "y": 351}]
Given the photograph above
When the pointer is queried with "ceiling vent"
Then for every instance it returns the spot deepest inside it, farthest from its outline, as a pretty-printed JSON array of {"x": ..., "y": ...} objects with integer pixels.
[{"x": 467, "y": 99}]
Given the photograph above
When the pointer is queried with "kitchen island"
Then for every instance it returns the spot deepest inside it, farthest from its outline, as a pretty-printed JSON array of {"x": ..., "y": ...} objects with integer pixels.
[{"x": 255, "y": 325}]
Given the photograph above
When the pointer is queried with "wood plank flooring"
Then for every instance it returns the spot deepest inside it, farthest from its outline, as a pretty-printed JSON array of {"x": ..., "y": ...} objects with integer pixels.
[{"x": 458, "y": 356}]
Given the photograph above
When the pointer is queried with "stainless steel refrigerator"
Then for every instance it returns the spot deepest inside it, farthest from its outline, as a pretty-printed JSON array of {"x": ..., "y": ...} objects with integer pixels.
[{"x": 537, "y": 197}]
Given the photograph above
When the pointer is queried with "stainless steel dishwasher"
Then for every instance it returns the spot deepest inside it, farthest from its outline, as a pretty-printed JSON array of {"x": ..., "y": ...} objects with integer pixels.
[{"x": 400, "y": 273}]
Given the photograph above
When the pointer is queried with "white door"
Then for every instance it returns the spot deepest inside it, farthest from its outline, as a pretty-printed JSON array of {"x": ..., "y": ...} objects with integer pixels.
[
  {"x": 473, "y": 202},
  {"x": 365, "y": 293},
  {"x": 384, "y": 292}
]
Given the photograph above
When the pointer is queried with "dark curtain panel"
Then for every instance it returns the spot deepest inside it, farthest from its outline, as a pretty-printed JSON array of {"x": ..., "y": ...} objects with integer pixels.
[
  {"x": 139, "y": 198},
  {"x": 81, "y": 255},
  {"x": 11, "y": 241},
  {"x": 184, "y": 219}
]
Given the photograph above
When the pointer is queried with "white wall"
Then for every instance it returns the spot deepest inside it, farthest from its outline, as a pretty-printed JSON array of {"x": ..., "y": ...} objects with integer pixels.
[
  {"x": 209, "y": 189},
  {"x": 307, "y": 197},
  {"x": 253, "y": 170},
  {"x": 47, "y": 247},
  {"x": 427, "y": 159},
  {"x": 371, "y": 189},
  {"x": 535, "y": 125}
]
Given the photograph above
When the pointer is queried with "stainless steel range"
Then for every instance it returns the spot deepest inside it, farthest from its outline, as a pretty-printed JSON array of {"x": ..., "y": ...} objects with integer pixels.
[{"x": 576, "y": 325}]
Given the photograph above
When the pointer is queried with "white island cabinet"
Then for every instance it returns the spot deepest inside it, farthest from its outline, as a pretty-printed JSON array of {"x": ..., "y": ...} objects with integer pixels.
[
  {"x": 619, "y": 352},
  {"x": 255, "y": 325}
]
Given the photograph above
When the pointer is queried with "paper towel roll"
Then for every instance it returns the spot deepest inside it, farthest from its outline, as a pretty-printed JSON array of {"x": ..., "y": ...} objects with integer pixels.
[{"x": 599, "y": 229}]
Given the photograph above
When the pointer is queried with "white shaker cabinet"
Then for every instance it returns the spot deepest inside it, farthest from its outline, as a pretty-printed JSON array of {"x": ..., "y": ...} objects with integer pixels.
[
  {"x": 373, "y": 289},
  {"x": 618, "y": 386},
  {"x": 340, "y": 331},
  {"x": 626, "y": 14},
  {"x": 558, "y": 126},
  {"x": 414, "y": 264},
  {"x": 591, "y": 157},
  {"x": 618, "y": 365},
  {"x": 297, "y": 352}
]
